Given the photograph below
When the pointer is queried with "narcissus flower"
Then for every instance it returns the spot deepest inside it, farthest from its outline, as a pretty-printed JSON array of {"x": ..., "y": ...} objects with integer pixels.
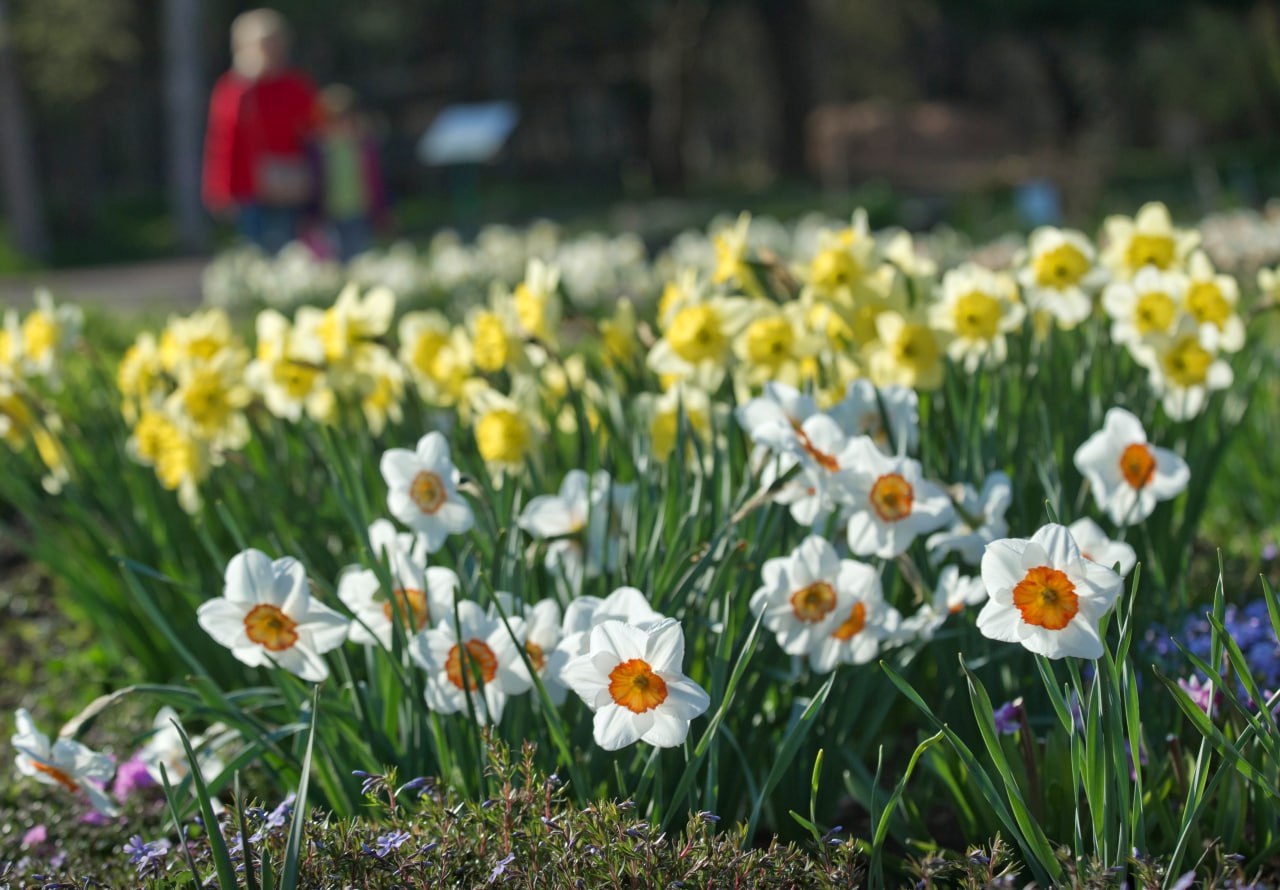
[
  {"x": 979, "y": 520},
  {"x": 472, "y": 656},
  {"x": 889, "y": 500},
  {"x": 890, "y": 415},
  {"x": 802, "y": 594},
  {"x": 266, "y": 616},
  {"x": 1147, "y": 240},
  {"x": 422, "y": 490},
  {"x": 631, "y": 678},
  {"x": 1146, "y": 306},
  {"x": 419, "y": 596},
  {"x": 164, "y": 747},
  {"x": 1059, "y": 275},
  {"x": 585, "y": 524},
  {"x": 1095, "y": 545},
  {"x": 66, "y": 763},
  {"x": 906, "y": 351},
  {"x": 626, "y": 604},
  {"x": 1185, "y": 368},
  {"x": 1127, "y": 475},
  {"x": 977, "y": 308},
  {"x": 1046, "y": 595},
  {"x": 863, "y": 621}
]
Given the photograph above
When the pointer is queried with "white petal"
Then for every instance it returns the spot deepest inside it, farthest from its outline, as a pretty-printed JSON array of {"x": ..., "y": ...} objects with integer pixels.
[{"x": 615, "y": 727}]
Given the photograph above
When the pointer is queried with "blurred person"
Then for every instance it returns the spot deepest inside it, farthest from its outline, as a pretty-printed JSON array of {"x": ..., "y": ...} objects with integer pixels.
[
  {"x": 351, "y": 199},
  {"x": 261, "y": 113}
]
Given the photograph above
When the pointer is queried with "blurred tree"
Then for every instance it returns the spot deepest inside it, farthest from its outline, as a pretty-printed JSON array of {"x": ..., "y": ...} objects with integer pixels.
[
  {"x": 18, "y": 173},
  {"x": 71, "y": 47},
  {"x": 185, "y": 88}
]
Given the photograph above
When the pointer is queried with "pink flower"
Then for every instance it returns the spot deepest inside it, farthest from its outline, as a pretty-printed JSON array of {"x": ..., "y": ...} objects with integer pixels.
[{"x": 35, "y": 836}]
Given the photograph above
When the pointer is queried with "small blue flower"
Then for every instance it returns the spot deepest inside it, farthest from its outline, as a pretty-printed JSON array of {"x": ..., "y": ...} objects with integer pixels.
[
  {"x": 501, "y": 868},
  {"x": 389, "y": 842}
]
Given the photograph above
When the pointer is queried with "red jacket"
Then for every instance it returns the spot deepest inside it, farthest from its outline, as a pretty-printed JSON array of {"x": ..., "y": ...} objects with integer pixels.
[{"x": 249, "y": 119}]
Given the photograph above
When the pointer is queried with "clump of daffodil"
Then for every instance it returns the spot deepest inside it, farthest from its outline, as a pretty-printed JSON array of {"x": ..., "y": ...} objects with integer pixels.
[
  {"x": 349, "y": 328},
  {"x": 508, "y": 428},
  {"x": 46, "y": 334},
  {"x": 496, "y": 341},
  {"x": 196, "y": 338},
  {"x": 1059, "y": 276},
  {"x": 665, "y": 415},
  {"x": 732, "y": 252},
  {"x": 436, "y": 355},
  {"x": 844, "y": 262},
  {"x": 776, "y": 344},
  {"x": 619, "y": 335},
  {"x": 698, "y": 330},
  {"x": 537, "y": 302},
  {"x": 562, "y": 381},
  {"x": 1147, "y": 239},
  {"x": 907, "y": 351},
  {"x": 288, "y": 371},
  {"x": 976, "y": 309}
]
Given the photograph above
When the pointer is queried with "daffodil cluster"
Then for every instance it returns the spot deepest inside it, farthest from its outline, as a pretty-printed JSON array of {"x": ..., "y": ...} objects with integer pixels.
[{"x": 32, "y": 352}]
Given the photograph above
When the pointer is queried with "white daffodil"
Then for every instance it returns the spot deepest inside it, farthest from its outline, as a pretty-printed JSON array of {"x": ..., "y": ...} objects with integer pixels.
[
  {"x": 164, "y": 748},
  {"x": 815, "y": 446},
  {"x": 46, "y": 333},
  {"x": 592, "y": 504},
  {"x": 779, "y": 404},
  {"x": 977, "y": 308},
  {"x": 422, "y": 490},
  {"x": 1095, "y": 545},
  {"x": 266, "y": 616},
  {"x": 1146, "y": 306},
  {"x": 1185, "y": 368},
  {"x": 288, "y": 371},
  {"x": 1059, "y": 275},
  {"x": 472, "y": 656},
  {"x": 1211, "y": 300},
  {"x": 889, "y": 500},
  {"x": 626, "y": 604},
  {"x": 65, "y": 762},
  {"x": 953, "y": 593},
  {"x": 979, "y": 521},
  {"x": 1147, "y": 240},
  {"x": 895, "y": 427},
  {"x": 544, "y": 630},
  {"x": 801, "y": 594},
  {"x": 1046, "y": 595},
  {"x": 864, "y": 621},
  {"x": 1128, "y": 475},
  {"x": 420, "y": 596},
  {"x": 631, "y": 679}
]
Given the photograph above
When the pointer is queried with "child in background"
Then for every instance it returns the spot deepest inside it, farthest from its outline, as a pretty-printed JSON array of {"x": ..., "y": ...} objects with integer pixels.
[{"x": 350, "y": 193}]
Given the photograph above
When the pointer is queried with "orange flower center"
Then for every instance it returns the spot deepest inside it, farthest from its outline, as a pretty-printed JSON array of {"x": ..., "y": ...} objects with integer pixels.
[
  {"x": 270, "y": 627},
  {"x": 813, "y": 603},
  {"x": 891, "y": 498},
  {"x": 410, "y": 603},
  {"x": 482, "y": 665},
  {"x": 1137, "y": 465},
  {"x": 853, "y": 625},
  {"x": 57, "y": 775},
  {"x": 427, "y": 491},
  {"x": 537, "y": 657},
  {"x": 1046, "y": 598},
  {"x": 635, "y": 686},
  {"x": 821, "y": 458}
]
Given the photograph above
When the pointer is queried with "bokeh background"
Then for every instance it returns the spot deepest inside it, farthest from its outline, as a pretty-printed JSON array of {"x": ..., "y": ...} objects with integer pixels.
[{"x": 651, "y": 115}]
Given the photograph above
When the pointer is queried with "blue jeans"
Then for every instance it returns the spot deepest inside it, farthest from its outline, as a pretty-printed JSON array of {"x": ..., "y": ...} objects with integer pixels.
[{"x": 270, "y": 228}]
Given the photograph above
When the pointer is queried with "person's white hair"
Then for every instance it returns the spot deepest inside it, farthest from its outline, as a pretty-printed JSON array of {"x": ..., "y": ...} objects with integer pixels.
[{"x": 259, "y": 42}]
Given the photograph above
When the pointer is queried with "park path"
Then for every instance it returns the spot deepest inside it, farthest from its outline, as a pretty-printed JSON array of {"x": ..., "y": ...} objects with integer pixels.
[{"x": 139, "y": 287}]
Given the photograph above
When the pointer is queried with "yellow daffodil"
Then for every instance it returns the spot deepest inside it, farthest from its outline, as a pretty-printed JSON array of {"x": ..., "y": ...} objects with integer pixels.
[
  {"x": 906, "y": 351},
  {"x": 977, "y": 308},
  {"x": 1148, "y": 239}
]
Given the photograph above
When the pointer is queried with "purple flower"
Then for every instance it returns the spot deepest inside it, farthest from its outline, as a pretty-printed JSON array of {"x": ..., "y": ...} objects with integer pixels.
[
  {"x": 501, "y": 868},
  {"x": 276, "y": 819},
  {"x": 1270, "y": 551},
  {"x": 146, "y": 856},
  {"x": 389, "y": 842},
  {"x": 35, "y": 836},
  {"x": 131, "y": 776},
  {"x": 1185, "y": 881},
  {"x": 1202, "y": 694},
  {"x": 1009, "y": 717}
]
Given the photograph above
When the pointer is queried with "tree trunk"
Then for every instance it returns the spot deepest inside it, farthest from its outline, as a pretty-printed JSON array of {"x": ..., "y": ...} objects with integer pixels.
[
  {"x": 789, "y": 29},
  {"x": 185, "y": 96},
  {"x": 18, "y": 173},
  {"x": 679, "y": 27}
]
